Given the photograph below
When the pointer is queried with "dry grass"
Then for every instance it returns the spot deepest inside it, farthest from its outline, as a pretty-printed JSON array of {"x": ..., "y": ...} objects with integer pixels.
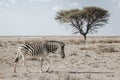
[
  {"x": 67, "y": 40},
  {"x": 87, "y": 48},
  {"x": 107, "y": 48},
  {"x": 81, "y": 58}
]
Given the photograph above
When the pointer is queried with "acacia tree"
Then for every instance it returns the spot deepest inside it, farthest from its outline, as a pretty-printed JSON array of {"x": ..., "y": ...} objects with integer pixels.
[{"x": 84, "y": 21}]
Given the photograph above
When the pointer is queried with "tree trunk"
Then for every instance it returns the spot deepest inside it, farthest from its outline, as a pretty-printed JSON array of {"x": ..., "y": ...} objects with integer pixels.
[{"x": 84, "y": 37}]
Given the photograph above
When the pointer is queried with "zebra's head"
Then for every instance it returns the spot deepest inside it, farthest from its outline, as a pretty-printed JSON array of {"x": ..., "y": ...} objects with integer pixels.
[{"x": 62, "y": 50}]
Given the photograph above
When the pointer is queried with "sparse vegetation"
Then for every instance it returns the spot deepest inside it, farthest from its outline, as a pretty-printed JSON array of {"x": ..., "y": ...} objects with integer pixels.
[
  {"x": 106, "y": 48},
  {"x": 0, "y": 45},
  {"x": 74, "y": 54},
  {"x": 81, "y": 59},
  {"x": 87, "y": 48}
]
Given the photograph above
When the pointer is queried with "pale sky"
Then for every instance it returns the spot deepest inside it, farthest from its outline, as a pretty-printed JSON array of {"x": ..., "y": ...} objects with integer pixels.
[{"x": 36, "y": 17}]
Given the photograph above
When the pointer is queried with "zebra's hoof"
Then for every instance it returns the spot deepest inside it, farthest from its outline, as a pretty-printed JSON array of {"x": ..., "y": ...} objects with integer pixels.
[
  {"x": 47, "y": 70},
  {"x": 44, "y": 71},
  {"x": 14, "y": 71}
]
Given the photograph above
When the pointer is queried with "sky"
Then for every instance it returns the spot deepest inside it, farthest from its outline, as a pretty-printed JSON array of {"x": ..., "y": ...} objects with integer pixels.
[{"x": 37, "y": 17}]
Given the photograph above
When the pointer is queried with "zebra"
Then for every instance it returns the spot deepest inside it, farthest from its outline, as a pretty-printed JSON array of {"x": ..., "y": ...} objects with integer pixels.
[{"x": 41, "y": 50}]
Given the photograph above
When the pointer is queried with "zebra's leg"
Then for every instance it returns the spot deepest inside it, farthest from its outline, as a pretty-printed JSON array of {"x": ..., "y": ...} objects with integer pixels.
[
  {"x": 49, "y": 65},
  {"x": 42, "y": 60},
  {"x": 16, "y": 61},
  {"x": 24, "y": 63},
  {"x": 15, "y": 67},
  {"x": 42, "y": 64}
]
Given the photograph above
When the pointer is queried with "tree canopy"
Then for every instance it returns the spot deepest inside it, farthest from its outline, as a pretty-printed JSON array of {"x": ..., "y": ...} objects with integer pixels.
[{"x": 84, "y": 21}]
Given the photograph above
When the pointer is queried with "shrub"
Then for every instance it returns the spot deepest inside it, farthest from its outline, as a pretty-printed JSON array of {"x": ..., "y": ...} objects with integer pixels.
[{"x": 105, "y": 48}]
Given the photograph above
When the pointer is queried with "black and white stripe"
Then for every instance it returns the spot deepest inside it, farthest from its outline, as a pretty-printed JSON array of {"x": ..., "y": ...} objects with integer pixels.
[{"x": 39, "y": 50}]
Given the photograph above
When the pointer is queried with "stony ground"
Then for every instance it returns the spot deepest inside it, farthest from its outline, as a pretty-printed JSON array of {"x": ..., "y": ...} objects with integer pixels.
[{"x": 97, "y": 59}]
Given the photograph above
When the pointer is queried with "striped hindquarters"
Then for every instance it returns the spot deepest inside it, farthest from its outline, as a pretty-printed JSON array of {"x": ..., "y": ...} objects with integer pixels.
[{"x": 33, "y": 49}]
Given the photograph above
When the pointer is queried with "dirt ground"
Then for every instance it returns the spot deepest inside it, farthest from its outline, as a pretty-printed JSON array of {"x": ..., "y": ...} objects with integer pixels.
[{"x": 96, "y": 59}]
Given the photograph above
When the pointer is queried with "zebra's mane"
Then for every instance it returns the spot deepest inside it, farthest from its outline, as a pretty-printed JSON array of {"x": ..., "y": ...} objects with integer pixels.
[
  {"x": 42, "y": 42},
  {"x": 53, "y": 41},
  {"x": 34, "y": 42}
]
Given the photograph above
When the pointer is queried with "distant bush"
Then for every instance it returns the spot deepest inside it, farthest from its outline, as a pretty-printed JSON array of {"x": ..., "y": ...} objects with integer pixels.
[
  {"x": 76, "y": 42},
  {"x": 105, "y": 48},
  {"x": 74, "y": 54},
  {"x": 1, "y": 45},
  {"x": 87, "y": 48}
]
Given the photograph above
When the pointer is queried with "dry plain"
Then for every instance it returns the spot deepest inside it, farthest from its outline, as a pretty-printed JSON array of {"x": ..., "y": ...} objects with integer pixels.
[{"x": 96, "y": 59}]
